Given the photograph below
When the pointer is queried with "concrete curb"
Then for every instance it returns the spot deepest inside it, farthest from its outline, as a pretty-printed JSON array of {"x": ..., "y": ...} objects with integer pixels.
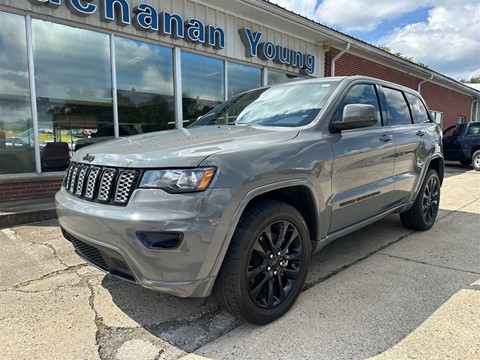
[{"x": 15, "y": 219}]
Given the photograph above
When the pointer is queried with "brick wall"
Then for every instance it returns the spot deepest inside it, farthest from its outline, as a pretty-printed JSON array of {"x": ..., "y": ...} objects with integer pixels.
[
  {"x": 24, "y": 190},
  {"x": 449, "y": 102}
]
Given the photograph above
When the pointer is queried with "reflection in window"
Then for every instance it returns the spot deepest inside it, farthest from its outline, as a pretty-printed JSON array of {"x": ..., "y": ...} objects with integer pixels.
[
  {"x": 359, "y": 94},
  {"x": 73, "y": 81},
  {"x": 16, "y": 137},
  {"x": 420, "y": 113},
  {"x": 202, "y": 85},
  {"x": 242, "y": 78},
  {"x": 397, "y": 108},
  {"x": 275, "y": 77},
  {"x": 145, "y": 85},
  {"x": 290, "y": 105}
]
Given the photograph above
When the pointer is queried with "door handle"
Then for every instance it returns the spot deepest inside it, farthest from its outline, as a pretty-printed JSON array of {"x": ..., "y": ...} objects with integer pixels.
[
  {"x": 386, "y": 138},
  {"x": 420, "y": 132}
]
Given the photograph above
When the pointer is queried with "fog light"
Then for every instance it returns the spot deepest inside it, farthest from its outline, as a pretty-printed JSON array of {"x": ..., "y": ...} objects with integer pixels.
[{"x": 160, "y": 240}]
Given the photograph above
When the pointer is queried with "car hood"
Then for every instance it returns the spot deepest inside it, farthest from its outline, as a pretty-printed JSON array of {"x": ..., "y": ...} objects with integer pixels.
[{"x": 181, "y": 147}]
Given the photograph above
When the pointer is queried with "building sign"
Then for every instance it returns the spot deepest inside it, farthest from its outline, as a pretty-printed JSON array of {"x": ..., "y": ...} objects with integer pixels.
[
  {"x": 147, "y": 18},
  {"x": 267, "y": 50}
]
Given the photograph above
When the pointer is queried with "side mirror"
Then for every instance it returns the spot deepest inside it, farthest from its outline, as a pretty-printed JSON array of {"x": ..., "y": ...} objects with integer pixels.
[{"x": 356, "y": 116}]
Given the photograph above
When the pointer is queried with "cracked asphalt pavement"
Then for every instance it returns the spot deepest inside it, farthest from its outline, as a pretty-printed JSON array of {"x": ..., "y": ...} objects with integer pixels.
[{"x": 383, "y": 292}]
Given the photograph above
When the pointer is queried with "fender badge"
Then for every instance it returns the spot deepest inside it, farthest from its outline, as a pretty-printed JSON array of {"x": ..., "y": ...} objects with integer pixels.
[{"x": 89, "y": 158}]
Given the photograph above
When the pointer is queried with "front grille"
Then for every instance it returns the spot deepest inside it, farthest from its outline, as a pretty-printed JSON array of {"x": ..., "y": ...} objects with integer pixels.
[{"x": 103, "y": 184}]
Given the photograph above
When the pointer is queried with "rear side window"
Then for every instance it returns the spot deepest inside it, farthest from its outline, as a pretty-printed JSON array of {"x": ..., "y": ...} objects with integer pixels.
[
  {"x": 420, "y": 112},
  {"x": 449, "y": 132},
  {"x": 398, "y": 112},
  {"x": 360, "y": 94}
]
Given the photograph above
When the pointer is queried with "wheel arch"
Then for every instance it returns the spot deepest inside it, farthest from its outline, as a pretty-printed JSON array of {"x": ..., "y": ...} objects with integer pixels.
[
  {"x": 438, "y": 164},
  {"x": 298, "y": 193}
]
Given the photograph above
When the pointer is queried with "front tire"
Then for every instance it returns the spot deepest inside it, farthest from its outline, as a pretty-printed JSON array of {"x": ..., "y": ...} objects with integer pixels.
[
  {"x": 476, "y": 160},
  {"x": 267, "y": 262},
  {"x": 423, "y": 213}
]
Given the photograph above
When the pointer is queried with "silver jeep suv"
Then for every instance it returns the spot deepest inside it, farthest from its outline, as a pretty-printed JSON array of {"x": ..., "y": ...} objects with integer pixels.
[{"x": 237, "y": 203}]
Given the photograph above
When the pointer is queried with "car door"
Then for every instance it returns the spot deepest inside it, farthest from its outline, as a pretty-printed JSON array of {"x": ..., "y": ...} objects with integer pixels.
[
  {"x": 451, "y": 144},
  {"x": 362, "y": 167},
  {"x": 413, "y": 143}
]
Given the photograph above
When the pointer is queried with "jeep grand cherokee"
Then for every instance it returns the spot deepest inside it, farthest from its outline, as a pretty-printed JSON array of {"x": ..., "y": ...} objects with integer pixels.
[{"x": 236, "y": 204}]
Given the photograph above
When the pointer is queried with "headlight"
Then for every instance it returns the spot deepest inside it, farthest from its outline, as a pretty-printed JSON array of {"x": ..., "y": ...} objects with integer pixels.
[{"x": 178, "y": 180}]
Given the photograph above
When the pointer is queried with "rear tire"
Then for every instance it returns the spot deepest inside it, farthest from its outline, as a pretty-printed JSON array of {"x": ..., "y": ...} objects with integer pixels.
[
  {"x": 266, "y": 264},
  {"x": 476, "y": 160},
  {"x": 422, "y": 214}
]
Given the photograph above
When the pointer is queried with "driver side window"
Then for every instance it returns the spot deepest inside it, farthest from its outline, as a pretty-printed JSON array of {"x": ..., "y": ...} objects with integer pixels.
[{"x": 360, "y": 94}]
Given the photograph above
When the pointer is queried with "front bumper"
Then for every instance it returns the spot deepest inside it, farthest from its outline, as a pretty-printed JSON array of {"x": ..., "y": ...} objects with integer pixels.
[{"x": 106, "y": 236}]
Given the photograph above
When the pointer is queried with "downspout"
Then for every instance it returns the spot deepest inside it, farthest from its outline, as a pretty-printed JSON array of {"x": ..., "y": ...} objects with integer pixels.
[
  {"x": 332, "y": 71},
  {"x": 422, "y": 82},
  {"x": 475, "y": 109}
]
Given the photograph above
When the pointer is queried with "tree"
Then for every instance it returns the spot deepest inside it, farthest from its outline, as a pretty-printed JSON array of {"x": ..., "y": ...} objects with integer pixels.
[{"x": 473, "y": 80}]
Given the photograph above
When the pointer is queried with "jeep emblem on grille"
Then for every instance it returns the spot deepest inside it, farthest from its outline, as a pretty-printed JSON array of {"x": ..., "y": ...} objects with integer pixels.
[{"x": 89, "y": 158}]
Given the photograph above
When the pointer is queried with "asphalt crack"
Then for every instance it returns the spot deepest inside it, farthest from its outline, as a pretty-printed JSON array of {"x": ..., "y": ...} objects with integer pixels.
[
  {"x": 98, "y": 319},
  {"x": 70, "y": 269},
  {"x": 429, "y": 264}
]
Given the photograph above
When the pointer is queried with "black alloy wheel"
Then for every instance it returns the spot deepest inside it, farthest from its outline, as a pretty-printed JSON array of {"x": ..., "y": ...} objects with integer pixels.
[
  {"x": 423, "y": 213},
  {"x": 431, "y": 199},
  {"x": 275, "y": 264},
  {"x": 266, "y": 264}
]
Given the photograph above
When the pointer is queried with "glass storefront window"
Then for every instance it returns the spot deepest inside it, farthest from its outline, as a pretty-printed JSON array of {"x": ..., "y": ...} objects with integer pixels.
[
  {"x": 73, "y": 82},
  {"x": 275, "y": 77},
  {"x": 242, "y": 78},
  {"x": 202, "y": 85},
  {"x": 17, "y": 153},
  {"x": 144, "y": 86}
]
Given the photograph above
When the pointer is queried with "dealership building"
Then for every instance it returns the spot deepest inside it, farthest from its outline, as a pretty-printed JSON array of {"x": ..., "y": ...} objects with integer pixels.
[{"x": 70, "y": 68}]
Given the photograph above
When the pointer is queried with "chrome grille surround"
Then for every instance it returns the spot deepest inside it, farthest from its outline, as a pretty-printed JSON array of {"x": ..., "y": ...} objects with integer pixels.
[{"x": 103, "y": 184}]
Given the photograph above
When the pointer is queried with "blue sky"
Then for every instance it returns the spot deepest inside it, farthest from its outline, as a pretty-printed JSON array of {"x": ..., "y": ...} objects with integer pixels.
[{"x": 442, "y": 34}]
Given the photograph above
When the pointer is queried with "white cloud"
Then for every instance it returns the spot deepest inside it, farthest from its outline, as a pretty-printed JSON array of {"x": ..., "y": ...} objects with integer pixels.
[
  {"x": 448, "y": 42},
  {"x": 363, "y": 15},
  {"x": 303, "y": 7}
]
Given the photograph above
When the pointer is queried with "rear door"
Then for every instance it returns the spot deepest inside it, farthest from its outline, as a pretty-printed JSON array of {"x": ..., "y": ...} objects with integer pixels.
[
  {"x": 413, "y": 143},
  {"x": 362, "y": 182}
]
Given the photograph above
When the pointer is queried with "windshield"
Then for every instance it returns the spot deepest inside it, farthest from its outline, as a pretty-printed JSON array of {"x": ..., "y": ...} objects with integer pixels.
[{"x": 287, "y": 105}]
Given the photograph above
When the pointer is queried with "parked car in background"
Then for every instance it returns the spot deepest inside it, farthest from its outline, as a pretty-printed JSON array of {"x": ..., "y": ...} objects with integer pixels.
[
  {"x": 106, "y": 132},
  {"x": 461, "y": 142},
  {"x": 237, "y": 207}
]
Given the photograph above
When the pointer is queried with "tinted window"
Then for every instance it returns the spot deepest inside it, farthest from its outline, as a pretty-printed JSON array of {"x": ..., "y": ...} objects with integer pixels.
[
  {"x": 242, "y": 78},
  {"x": 474, "y": 129},
  {"x": 398, "y": 112},
  {"x": 203, "y": 85},
  {"x": 73, "y": 80},
  {"x": 145, "y": 84},
  {"x": 420, "y": 113},
  {"x": 360, "y": 94},
  {"x": 275, "y": 77},
  {"x": 449, "y": 131},
  {"x": 16, "y": 136}
]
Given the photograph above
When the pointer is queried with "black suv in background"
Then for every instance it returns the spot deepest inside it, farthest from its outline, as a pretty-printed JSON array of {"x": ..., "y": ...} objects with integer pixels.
[{"x": 461, "y": 142}]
